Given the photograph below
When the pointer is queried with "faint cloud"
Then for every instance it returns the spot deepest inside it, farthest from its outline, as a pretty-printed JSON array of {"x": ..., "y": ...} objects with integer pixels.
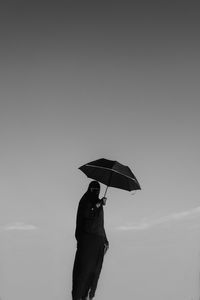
[
  {"x": 146, "y": 224},
  {"x": 138, "y": 226},
  {"x": 19, "y": 226}
]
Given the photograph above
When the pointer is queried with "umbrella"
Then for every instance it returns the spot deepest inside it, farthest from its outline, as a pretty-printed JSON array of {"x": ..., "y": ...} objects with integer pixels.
[{"x": 111, "y": 173}]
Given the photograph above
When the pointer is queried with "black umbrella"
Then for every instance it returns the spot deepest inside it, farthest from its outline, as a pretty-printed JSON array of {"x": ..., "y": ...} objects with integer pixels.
[{"x": 111, "y": 173}]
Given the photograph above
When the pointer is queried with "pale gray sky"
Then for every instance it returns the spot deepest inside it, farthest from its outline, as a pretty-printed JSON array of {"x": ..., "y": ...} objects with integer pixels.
[{"x": 81, "y": 81}]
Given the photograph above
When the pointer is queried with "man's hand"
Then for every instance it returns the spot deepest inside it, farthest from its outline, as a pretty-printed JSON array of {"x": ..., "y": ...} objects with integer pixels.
[{"x": 104, "y": 199}]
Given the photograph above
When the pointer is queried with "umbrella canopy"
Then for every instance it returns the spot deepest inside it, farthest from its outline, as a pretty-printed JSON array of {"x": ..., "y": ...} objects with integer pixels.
[{"x": 111, "y": 173}]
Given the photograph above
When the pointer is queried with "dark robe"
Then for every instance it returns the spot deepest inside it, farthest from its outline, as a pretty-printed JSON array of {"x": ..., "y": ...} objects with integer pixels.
[{"x": 91, "y": 240}]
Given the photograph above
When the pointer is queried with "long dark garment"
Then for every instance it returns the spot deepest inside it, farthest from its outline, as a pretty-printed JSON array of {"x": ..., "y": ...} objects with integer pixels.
[
  {"x": 91, "y": 240},
  {"x": 87, "y": 266}
]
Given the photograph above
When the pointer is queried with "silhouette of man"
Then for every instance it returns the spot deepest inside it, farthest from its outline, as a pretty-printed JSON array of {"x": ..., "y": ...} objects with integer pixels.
[{"x": 92, "y": 243}]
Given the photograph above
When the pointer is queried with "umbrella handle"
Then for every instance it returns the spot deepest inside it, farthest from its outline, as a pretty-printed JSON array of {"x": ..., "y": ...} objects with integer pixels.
[{"x": 106, "y": 191}]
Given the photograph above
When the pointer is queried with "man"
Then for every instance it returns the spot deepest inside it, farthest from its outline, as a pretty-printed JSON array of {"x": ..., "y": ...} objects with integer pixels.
[{"x": 92, "y": 243}]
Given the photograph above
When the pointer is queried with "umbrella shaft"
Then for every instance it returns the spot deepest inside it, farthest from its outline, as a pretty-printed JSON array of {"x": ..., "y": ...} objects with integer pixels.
[{"x": 106, "y": 191}]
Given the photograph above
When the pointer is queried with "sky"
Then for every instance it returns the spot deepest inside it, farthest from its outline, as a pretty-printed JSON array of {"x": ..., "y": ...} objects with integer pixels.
[{"x": 82, "y": 80}]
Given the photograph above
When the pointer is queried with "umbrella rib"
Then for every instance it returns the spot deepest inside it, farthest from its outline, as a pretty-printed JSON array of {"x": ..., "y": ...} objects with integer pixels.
[{"x": 93, "y": 166}]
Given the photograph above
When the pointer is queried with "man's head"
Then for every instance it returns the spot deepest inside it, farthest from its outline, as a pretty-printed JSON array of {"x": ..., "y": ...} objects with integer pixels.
[{"x": 94, "y": 187}]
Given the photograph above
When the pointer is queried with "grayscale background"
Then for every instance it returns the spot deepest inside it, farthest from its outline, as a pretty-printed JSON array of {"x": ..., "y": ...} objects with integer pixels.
[{"x": 82, "y": 80}]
